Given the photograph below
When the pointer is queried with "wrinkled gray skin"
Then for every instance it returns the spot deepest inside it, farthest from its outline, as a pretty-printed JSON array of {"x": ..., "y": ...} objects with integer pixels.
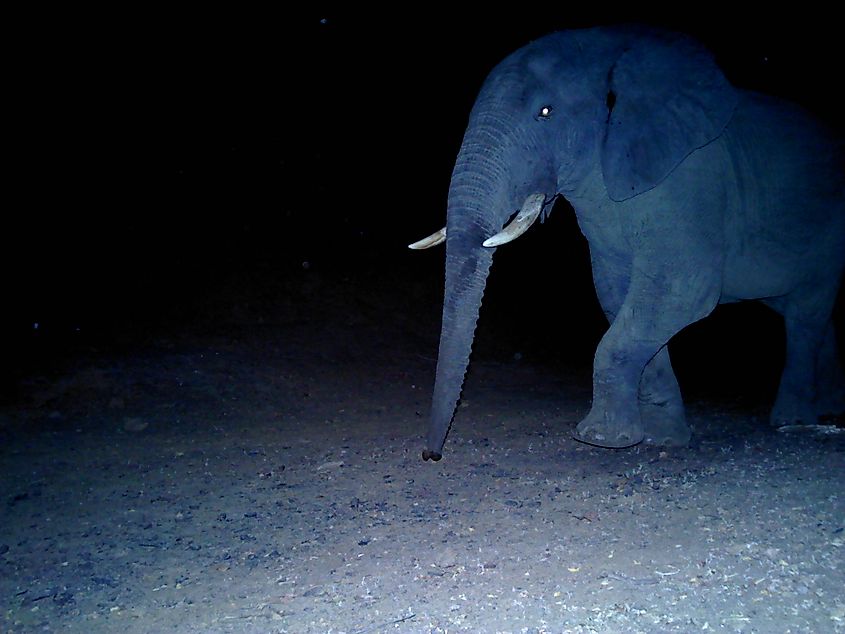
[{"x": 690, "y": 193}]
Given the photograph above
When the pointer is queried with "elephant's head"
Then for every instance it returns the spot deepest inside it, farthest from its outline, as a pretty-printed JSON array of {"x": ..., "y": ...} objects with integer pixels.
[{"x": 627, "y": 104}]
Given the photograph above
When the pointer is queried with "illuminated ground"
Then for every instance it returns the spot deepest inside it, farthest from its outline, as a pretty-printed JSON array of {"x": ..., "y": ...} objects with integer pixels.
[{"x": 267, "y": 478}]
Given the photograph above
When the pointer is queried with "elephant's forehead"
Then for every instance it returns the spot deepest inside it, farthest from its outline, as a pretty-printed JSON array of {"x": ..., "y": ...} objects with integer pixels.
[
  {"x": 566, "y": 56},
  {"x": 549, "y": 63},
  {"x": 581, "y": 50}
]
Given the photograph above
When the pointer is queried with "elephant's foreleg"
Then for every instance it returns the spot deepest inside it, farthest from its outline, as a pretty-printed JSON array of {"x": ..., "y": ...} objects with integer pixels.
[
  {"x": 661, "y": 405},
  {"x": 614, "y": 418},
  {"x": 655, "y": 308},
  {"x": 611, "y": 287}
]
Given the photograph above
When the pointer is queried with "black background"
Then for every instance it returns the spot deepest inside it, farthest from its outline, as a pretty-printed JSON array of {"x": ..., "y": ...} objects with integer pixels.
[{"x": 156, "y": 154}]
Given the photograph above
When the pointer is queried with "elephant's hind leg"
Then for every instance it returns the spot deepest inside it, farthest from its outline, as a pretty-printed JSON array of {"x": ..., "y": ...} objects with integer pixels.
[
  {"x": 661, "y": 405},
  {"x": 806, "y": 319},
  {"x": 830, "y": 379}
]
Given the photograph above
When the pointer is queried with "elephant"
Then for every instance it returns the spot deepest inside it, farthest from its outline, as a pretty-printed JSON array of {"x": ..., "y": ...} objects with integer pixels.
[{"x": 691, "y": 192}]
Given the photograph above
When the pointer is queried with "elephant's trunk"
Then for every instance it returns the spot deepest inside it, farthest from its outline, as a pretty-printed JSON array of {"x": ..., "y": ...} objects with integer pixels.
[
  {"x": 466, "y": 276},
  {"x": 477, "y": 209}
]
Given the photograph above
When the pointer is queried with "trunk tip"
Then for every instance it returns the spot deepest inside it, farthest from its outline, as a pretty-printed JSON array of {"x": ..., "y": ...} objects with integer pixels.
[{"x": 431, "y": 455}]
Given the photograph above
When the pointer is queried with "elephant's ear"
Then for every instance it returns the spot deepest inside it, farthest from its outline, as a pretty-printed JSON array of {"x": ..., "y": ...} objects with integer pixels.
[{"x": 667, "y": 98}]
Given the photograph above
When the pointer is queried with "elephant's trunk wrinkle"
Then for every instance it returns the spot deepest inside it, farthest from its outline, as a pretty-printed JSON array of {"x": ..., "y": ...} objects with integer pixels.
[
  {"x": 481, "y": 178},
  {"x": 478, "y": 164}
]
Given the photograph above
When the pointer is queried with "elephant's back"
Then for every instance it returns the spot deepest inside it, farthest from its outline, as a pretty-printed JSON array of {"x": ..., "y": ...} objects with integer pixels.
[
  {"x": 786, "y": 205},
  {"x": 786, "y": 165}
]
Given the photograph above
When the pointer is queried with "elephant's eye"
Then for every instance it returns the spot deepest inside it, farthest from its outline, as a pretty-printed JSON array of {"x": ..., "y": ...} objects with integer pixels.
[{"x": 545, "y": 113}]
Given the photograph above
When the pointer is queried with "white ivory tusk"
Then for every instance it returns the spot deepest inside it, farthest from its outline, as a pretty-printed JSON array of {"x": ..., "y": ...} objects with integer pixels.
[
  {"x": 433, "y": 240},
  {"x": 530, "y": 211}
]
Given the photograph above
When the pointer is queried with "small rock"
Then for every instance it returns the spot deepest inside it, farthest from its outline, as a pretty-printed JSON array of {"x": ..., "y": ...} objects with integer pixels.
[
  {"x": 134, "y": 424},
  {"x": 446, "y": 558}
]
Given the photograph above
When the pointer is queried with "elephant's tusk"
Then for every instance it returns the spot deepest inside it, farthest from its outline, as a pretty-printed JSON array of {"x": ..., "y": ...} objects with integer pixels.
[
  {"x": 531, "y": 209},
  {"x": 431, "y": 241}
]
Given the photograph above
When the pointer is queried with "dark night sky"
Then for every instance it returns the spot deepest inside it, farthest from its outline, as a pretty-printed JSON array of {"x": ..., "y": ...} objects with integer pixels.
[{"x": 160, "y": 152}]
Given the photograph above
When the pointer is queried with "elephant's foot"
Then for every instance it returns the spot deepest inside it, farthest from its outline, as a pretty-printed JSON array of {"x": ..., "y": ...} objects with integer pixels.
[
  {"x": 665, "y": 422},
  {"x": 665, "y": 429},
  {"x": 831, "y": 406},
  {"x": 793, "y": 411},
  {"x": 607, "y": 430}
]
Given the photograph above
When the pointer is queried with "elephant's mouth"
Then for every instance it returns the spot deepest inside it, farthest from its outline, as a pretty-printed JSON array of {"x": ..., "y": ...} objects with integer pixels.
[{"x": 527, "y": 216}]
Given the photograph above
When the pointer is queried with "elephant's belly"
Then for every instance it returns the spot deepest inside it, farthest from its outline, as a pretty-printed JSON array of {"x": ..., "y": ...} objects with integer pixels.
[{"x": 748, "y": 277}]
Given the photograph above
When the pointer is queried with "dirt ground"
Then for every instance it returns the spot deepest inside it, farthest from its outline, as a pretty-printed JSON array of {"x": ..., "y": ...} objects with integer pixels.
[{"x": 264, "y": 475}]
